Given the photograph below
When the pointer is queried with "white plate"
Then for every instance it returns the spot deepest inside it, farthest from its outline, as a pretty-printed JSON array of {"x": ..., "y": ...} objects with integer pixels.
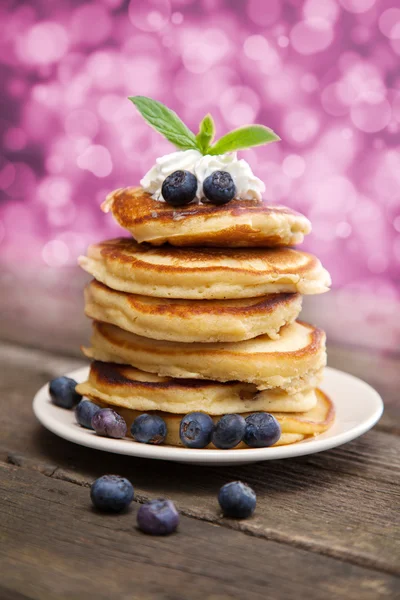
[{"x": 358, "y": 408}]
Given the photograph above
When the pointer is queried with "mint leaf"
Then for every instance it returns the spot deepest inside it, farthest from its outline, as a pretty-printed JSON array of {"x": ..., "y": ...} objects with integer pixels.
[
  {"x": 206, "y": 133},
  {"x": 166, "y": 122},
  {"x": 244, "y": 137}
]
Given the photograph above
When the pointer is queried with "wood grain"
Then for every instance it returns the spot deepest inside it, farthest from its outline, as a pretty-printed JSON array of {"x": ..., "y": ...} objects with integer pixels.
[{"x": 55, "y": 545}]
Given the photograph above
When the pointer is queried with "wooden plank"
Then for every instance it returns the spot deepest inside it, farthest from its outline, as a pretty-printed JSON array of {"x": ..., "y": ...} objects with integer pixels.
[
  {"x": 340, "y": 503},
  {"x": 307, "y": 505},
  {"x": 53, "y": 544}
]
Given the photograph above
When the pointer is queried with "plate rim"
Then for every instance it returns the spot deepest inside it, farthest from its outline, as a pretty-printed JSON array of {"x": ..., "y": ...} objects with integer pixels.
[{"x": 87, "y": 438}]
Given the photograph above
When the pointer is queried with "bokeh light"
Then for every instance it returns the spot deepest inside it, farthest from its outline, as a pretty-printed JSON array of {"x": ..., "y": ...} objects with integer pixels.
[
  {"x": 324, "y": 74},
  {"x": 357, "y": 6},
  {"x": 149, "y": 15},
  {"x": 311, "y": 35},
  {"x": 44, "y": 43}
]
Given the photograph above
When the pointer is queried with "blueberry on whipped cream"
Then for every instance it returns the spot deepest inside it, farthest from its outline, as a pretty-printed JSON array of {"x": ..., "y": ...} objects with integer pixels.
[
  {"x": 179, "y": 188},
  {"x": 219, "y": 188}
]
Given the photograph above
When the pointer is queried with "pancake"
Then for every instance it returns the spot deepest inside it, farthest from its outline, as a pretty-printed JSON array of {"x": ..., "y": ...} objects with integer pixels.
[
  {"x": 295, "y": 427},
  {"x": 240, "y": 223},
  {"x": 293, "y": 362},
  {"x": 127, "y": 387},
  {"x": 212, "y": 273},
  {"x": 192, "y": 320}
]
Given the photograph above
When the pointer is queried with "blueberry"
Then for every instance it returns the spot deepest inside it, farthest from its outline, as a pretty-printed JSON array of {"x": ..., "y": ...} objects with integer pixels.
[
  {"x": 109, "y": 423},
  {"x": 229, "y": 431},
  {"x": 149, "y": 429},
  {"x": 219, "y": 187},
  {"x": 158, "y": 517},
  {"x": 62, "y": 392},
  {"x": 196, "y": 430},
  {"x": 237, "y": 500},
  {"x": 179, "y": 188},
  {"x": 84, "y": 413},
  {"x": 262, "y": 429},
  {"x": 111, "y": 493}
]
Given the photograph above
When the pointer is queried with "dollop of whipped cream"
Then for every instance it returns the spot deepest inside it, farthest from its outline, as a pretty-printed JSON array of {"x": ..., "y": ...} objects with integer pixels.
[{"x": 248, "y": 186}]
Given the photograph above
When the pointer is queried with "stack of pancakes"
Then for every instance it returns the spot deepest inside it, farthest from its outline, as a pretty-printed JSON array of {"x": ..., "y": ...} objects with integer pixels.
[{"x": 197, "y": 312}]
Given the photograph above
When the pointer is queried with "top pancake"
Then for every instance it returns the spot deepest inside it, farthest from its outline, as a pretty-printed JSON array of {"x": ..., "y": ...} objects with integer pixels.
[
  {"x": 240, "y": 223},
  {"x": 212, "y": 273}
]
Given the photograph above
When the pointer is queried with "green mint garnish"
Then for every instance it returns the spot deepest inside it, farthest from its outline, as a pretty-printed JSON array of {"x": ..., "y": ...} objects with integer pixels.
[
  {"x": 206, "y": 133},
  {"x": 167, "y": 122},
  {"x": 244, "y": 137}
]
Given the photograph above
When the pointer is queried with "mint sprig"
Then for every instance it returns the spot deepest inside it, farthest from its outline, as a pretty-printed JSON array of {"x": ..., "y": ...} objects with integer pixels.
[
  {"x": 167, "y": 122},
  {"x": 206, "y": 133},
  {"x": 244, "y": 137}
]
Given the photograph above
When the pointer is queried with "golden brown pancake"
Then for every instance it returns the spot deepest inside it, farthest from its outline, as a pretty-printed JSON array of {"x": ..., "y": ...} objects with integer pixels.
[
  {"x": 192, "y": 320},
  {"x": 240, "y": 223},
  {"x": 293, "y": 362},
  {"x": 212, "y": 273},
  {"x": 295, "y": 426},
  {"x": 127, "y": 387}
]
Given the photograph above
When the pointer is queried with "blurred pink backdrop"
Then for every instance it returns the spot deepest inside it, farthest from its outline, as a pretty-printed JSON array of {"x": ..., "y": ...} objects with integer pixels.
[{"x": 324, "y": 74}]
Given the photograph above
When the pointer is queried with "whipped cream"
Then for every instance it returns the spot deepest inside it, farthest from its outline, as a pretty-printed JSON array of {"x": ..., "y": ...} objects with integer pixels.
[{"x": 248, "y": 186}]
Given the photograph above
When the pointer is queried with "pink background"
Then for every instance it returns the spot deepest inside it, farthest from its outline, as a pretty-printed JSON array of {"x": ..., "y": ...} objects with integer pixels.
[{"x": 324, "y": 74}]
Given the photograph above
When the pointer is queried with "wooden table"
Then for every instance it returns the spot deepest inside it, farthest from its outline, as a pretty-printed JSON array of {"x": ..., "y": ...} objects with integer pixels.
[{"x": 326, "y": 526}]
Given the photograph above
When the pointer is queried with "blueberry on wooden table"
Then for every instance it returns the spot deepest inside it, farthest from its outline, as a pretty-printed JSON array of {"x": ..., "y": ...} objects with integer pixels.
[
  {"x": 158, "y": 517},
  {"x": 237, "y": 500},
  {"x": 109, "y": 423},
  {"x": 62, "y": 392},
  {"x": 229, "y": 431},
  {"x": 196, "y": 429},
  {"x": 84, "y": 413},
  {"x": 219, "y": 187},
  {"x": 149, "y": 429},
  {"x": 111, "y": 493},
  {"x": 179, "y": 188},
  {"x": 262, "y": 430}
]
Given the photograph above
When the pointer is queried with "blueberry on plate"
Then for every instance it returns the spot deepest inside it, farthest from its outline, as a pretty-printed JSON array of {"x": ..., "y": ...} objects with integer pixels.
[
  {"x": 111, "y": 493},
  {"x": 237, "y": 500},
  {"x": 262, "y": 430},
  {"x": 179, "y": 188},
  {"x": 149, "y": 429},
  {"x": 158, "y": 517},
  {"x": 109, "y": 423},
  {"x": 219, "y": 187},
  {"x": 196, "y": 430},
  {"x": 84, "y": 413},
  {"x": 229, "y": 431},
  {"x": 62, "y": 392}
]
